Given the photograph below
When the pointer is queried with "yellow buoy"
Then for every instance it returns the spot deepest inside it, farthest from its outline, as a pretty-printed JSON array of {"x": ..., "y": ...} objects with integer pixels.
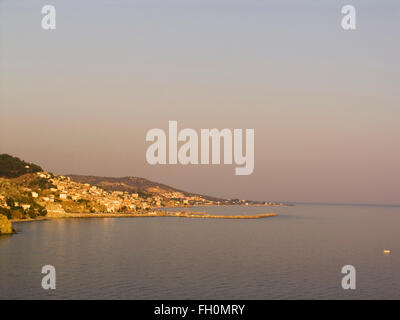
[{"x": 386, "y": 251}]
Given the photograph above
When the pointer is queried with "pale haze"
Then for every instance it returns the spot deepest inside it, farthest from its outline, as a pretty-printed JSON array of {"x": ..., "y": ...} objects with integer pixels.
[{"x": 324, "y": 102}]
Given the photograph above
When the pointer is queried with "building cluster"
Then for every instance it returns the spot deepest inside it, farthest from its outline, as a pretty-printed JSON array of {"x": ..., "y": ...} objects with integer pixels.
[
  {"x": 61, "y": 194},
  {"x": 111, "y": 201},
  {"x": 66, "y": 190}
]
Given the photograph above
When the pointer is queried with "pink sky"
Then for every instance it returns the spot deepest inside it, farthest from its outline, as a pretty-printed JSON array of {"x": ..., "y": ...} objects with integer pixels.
[{"x": 324, "y": 102}]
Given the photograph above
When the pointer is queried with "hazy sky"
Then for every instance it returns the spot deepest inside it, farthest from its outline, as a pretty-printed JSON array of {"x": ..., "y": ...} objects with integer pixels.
[{"x": 324, "y": 102}]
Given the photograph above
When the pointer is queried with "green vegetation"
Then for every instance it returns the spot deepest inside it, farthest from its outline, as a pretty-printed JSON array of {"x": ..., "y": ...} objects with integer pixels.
[
  {"x": 14, "y": 195},
  {"x": 15, "y": 210},
  {"x": 17, "y": 178},
  {"x": 5, "y": 225},
  {"x": 12, "y": 167},
  {"x": 6, "y": 212},
  {"x": 82, "y": 206},
  {"x": 40, "y": 183}
]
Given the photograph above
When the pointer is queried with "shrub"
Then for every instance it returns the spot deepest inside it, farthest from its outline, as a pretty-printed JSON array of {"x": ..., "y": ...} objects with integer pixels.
[
  {"x": 17, "y": 213},
  {"x": 6, "y": 212}
]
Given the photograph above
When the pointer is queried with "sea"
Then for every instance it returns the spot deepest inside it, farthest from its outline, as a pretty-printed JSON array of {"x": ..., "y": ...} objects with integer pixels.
[{"x": 299, "y": 254}]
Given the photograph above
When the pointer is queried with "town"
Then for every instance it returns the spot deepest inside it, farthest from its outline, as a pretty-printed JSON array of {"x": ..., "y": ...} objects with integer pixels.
[{"x": 29, "y": 192}]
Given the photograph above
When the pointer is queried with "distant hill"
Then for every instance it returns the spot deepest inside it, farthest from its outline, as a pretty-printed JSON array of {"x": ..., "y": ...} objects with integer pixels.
[
  {"x": 132, "y": 185},
  {"x": 12, "y": 167}
]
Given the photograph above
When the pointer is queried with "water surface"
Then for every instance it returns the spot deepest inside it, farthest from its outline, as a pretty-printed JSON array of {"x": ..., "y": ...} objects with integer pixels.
[{"x": 298, "y": 254}]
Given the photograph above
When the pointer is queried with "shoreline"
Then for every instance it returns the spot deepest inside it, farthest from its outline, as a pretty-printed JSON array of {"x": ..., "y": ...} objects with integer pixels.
[{"x": 169, "y": 214}]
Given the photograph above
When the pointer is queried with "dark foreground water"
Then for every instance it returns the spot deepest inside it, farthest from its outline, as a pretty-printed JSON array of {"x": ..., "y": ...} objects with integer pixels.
[{"x": 298, "y": 254}]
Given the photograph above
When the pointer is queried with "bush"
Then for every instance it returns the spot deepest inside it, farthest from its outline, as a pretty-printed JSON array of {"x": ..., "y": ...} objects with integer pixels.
[
  {"x": 32, "y": 213},
  {"x": 17, "y": 213},
  {"x": 42, "y": 211},
  {"x": 6, "y": 212},
  {"x": 41, "y": 183}
]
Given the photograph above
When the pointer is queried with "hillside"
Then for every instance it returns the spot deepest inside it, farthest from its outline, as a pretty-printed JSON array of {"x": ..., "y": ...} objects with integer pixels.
[
  {"x": 12, "y": 167},
  {"x": 28, "y": 192},
  {"x": 133, "y": 185}
]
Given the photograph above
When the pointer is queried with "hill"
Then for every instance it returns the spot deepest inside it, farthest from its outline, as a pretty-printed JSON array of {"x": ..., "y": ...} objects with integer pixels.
[
  {"x": 28, "y": 192},
  {"x": 12, "y": 167},
  {"x": 133, "y": 185}
]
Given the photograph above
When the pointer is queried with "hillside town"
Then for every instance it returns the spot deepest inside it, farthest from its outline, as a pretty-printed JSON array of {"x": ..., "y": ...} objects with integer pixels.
[
  {"x": 113, "y": 201},
  {"x": 59, "y": 194},
  {"x": 43, "y": 193},
  {"x": 29, "y": 192}
]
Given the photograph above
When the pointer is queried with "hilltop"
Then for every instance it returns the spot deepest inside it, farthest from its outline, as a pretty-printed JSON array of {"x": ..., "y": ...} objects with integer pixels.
[{"x": 12, "y": 167}]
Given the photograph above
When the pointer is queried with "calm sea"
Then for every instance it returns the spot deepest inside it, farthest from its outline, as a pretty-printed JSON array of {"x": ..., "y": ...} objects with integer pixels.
[{"x": 298, "y": 254}]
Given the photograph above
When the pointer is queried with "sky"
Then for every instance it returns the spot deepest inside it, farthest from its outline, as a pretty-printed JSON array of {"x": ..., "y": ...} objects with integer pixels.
[{"x": 324, "y": 102}]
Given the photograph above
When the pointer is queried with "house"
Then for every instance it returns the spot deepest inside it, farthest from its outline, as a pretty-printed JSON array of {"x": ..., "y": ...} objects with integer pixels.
[
  {"x": 63, "y": 196},
  {"x": 34, "y": 194},
  {"x": 25, "y": 206},
  {"x": 43, "y": 175}
]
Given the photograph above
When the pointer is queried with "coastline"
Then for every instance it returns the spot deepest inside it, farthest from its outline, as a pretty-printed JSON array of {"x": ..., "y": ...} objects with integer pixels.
[{"x": 171, "y": 214}]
